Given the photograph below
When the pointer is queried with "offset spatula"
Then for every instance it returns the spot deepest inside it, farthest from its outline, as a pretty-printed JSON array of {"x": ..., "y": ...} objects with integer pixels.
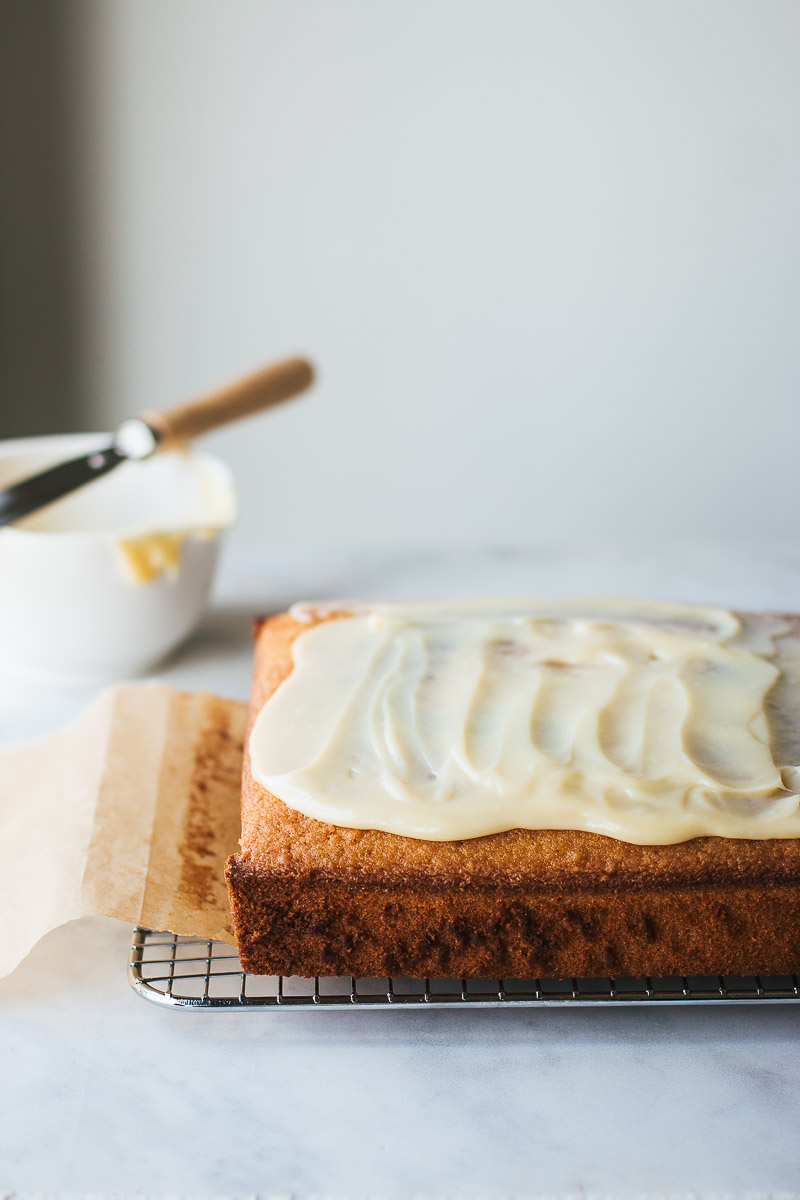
[{"x": 142, "y": 436}]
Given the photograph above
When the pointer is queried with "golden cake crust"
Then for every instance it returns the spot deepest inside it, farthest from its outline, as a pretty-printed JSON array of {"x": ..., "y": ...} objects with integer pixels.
[{"x": 311, "y": 898}]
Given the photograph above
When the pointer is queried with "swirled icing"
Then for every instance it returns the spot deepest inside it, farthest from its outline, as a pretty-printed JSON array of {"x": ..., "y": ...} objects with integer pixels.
[{"x": 648, "y": 722}]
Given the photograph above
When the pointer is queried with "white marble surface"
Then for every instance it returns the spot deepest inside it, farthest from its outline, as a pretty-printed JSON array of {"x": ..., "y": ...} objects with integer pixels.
[{"x": 103, "y": 1093}]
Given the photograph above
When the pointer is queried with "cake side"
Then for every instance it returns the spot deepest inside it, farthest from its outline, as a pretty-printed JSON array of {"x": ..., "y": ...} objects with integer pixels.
[
  {"x": 312, "y": 898},
  {"x": 309, "y": 927}
]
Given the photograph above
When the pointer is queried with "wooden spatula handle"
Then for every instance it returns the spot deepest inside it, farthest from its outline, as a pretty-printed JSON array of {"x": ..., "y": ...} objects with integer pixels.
[{"x": 262, "y": 389}]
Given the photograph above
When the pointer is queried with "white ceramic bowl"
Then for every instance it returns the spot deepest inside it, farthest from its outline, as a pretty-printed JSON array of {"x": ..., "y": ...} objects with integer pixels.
[{"x": 69, "y": 608}]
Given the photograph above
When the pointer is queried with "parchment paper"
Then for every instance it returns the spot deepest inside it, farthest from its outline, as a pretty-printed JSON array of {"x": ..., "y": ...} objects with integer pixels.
[{"x": 129, "y": 813}]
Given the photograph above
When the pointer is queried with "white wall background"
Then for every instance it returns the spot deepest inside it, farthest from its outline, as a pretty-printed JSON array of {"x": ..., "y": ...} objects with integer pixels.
[{"x": 546, "y": 255}]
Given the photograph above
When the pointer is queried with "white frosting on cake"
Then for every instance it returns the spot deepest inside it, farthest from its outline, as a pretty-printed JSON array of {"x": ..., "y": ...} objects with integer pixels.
[{"x": 453, "y": 719}]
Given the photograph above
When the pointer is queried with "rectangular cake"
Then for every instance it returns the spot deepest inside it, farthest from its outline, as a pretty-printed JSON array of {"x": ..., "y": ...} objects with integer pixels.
[{"x": 520, "y": 790}]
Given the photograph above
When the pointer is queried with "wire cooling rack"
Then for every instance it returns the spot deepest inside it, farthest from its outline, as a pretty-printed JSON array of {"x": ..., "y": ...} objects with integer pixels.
[{"x": 184, "y": 972}]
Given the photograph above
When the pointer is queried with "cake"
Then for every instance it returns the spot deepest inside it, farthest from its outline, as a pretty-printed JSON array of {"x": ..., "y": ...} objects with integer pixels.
[{"x": 311, "y": 896}]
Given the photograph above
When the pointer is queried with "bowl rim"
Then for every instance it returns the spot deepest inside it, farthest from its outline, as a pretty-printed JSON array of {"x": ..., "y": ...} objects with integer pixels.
[{"x": 80, "y": 443}]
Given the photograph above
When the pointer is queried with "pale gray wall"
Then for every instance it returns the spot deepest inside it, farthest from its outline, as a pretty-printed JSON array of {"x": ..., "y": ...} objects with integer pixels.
[{"x": 546, "y": 254}]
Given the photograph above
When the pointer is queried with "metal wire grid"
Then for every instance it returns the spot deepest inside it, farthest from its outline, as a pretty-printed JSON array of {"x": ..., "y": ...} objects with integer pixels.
[{"x": 184, "y": 972}]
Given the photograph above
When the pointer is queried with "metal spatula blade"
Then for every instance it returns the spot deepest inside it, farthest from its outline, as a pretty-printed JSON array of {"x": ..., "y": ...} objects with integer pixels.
[
  {"x": 140, "y": 437},
  {"x": 40, "y": 490}
]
